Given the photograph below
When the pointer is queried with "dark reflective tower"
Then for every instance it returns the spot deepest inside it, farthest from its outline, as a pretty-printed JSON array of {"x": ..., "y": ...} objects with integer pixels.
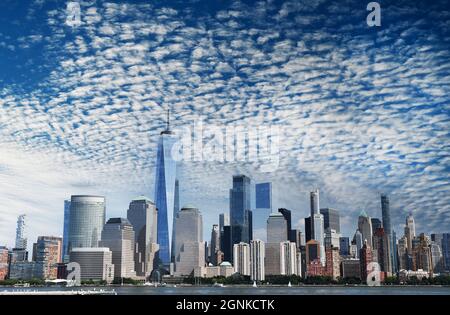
[{"x": 165, "y": 179}]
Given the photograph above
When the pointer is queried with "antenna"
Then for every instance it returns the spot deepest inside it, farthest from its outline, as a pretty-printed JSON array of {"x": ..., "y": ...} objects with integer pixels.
[{"x": 168, "y": 119}]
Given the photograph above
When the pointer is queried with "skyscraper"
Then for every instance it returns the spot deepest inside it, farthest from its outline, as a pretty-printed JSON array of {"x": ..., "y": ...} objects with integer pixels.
[
  {"x": 65, "y": 252},
  {"x": 382, "y": 246},
  {"x": 165, "y": 193},
  {"x": 87, "y": 218},
  {"x": 263, "y": 202},
  {"x": 387, "y": 226},
  {"x": 331, "y": 219},
  {"x": 225, "y": 236},
  {"x": 21, "y": 240},
  {"x": 344, "y": 246},
  {"x": 118, "y": 236},
  {"x": 314, "y": 207},
  {"x": 143, "y": 216},
  {"x": 319, "y": 235},
  {"x": 359, "y": 242},
  {"x": 410, "y": 231},
  {"x": 189, "y": 250},
  {"x": 257, "y": 260},
  {"x": 240, "y": 210},
  {"x": 308, "y": 227},
  {"x": 276, "y": 228},
  {"x": 215, "y": 244},
  {"x": 376, "y": 224},
  {"x": 445, "y": 246},
  {"x": 288, "y": 259},
  {"x": 365, "y": 227},
  {"x": 241, "y": 258},
  {"x": 48, "y": 255},
  {"x": 288, "y": 217},
  {"x": 366, "y": 257}
]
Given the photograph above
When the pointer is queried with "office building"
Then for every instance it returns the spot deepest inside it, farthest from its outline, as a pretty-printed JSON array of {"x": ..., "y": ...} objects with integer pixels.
[
  {"x": 288, "y": 217},
  {"x": 22, "y": 270},
  {"x": 359, "y": 242},
  {"x": 422, "y": 254},
  {"x": 365, "y": 227},
  {"x": 308, "y": 232},
  {"x": 241, "y": 258},
  {"x": 214, "y": 244},
  {"x": 312, "y": 251},
  {"x": 410, "y": 231},
  {"x": 376, "y": 224},
  {"x": 319, "y": 235},
  {"x": 366, "y": 257},
  {"x": 288, "y": 258},
  {"x": 47, "y": 257},
  {"x": 332, "y": 238},
  {"x": 143, "y": 216},
  {"x": 118, "y": 236},
  {"x": 4, "y": 262},
  {"x": 87, "y": 218},
  {"x": 445, "y": 246},
  {"x": 276, "y": 228},
  {"x": 165, "y": 193},
  {"x": 314, "y": 209},
  {"x": 240, "y": 210},
  {"x": 95, "y": 263},
  {"x": 344, "y": 246},
  {"x": 386, "y": 215},
  {"x": 382, "y": 247},
  {"x": 436, "y": 258},
  {"x": 402, "y": 251},
  {"x": 331, "y": 219},
  {"x": 350, "y": 268},
  {"x": 225, "y": 269},
  {"x": 225, "y": 244},
  {"x": 21, "y": 240},
  {"x": 189, "y": 249},
  {"x": 333, "y": 262},
  {"x": 257, "y": 260},
  {"x": 263, "y": 202},
  {"x": 65, "y": 250}
]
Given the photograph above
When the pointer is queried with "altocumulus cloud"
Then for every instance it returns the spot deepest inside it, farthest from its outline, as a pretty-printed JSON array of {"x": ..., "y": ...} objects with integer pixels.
[{"x": 362, "y": 110}]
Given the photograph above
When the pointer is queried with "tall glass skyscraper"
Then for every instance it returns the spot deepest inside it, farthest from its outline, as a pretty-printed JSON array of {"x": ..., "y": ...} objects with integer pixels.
[
  {"x": 386, "y": 214},
  {"x": 21, "y": 240},
  {"x": 263, "y": 202},
  {"x": 87, "y": 218},
  {"x": 165, "y": 188},
  {"x": 331, "y": 219},
  {"x": 65, "y": 253},
  {"x": 143, "y": 217},
  {"x": 240, "y": 213}
]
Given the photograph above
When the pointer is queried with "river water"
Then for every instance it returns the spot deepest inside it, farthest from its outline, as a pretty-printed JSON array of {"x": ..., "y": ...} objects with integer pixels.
[{"x": 273, "y": 290}]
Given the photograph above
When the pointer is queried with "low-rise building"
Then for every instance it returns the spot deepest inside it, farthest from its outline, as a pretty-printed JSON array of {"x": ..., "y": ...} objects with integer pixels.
[{"x": 95, "y": 263}]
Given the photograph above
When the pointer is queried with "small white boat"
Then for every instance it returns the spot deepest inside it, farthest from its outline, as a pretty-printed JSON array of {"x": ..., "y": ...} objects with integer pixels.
[
  {"x": 218, "y": 285},
  {"x": 254, "y": 284},
  {"x": 289, "y": 284}
]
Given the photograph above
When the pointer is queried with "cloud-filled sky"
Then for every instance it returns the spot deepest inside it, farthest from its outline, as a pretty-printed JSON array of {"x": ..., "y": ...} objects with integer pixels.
[{"x": 362, "y": 110}]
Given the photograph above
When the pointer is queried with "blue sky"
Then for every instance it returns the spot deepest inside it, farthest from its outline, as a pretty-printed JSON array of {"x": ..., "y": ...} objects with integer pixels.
[{"x": 363, "y": 110}]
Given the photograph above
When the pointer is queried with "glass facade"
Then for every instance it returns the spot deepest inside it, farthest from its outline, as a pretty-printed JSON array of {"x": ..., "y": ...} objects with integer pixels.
[
  {"x": 240, "y": 213},
  {"x": 87, "y": 218},
  {"x": 165, "y": 178},
  {"x": 331, "y": 219},
  {"x": 263, "y": 202},
  {"x": 65, "y": 253},
  {"x": 143, "y": 217}
]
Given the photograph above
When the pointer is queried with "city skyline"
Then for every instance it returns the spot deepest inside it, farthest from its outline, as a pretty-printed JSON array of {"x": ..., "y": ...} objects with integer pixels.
[{"x": 81, "y": 109}]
